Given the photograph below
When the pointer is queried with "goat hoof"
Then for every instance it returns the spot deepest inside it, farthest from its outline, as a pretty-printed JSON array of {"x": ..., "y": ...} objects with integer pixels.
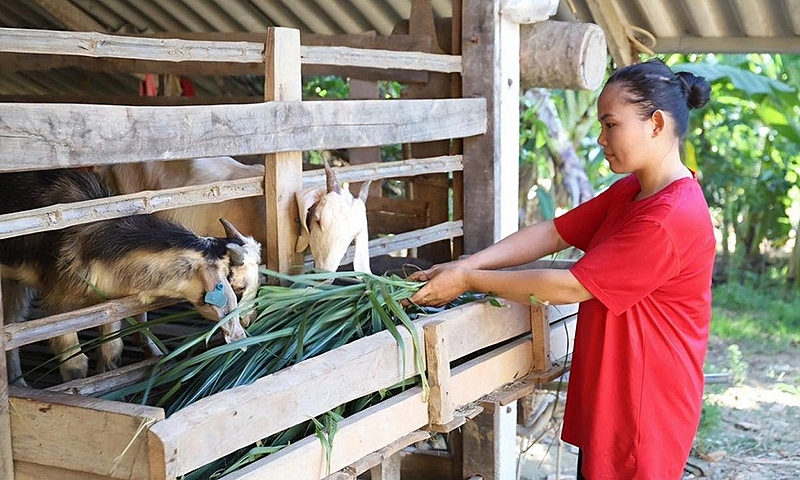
[{"x": 74, "y": 368}]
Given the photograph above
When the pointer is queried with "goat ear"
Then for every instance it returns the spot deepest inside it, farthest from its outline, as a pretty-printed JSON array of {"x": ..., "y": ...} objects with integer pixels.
[
  {"x": 331, "y": 183},
  {"x": 306, "y": 200},
  {"x": 230, "y": 231},
  {"x": 363, "y": 193}
]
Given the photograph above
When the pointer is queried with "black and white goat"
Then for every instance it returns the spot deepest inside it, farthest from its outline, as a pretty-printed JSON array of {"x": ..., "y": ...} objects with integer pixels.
[{"x": 138, "y": 255}]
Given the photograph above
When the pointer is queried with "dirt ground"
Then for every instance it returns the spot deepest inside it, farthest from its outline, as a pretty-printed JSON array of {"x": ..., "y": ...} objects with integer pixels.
[{"x": 754, "y": 432}]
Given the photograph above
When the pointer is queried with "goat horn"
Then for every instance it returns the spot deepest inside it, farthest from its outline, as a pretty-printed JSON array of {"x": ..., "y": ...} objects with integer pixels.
[
  {"x": 330, "y": 179},
  {"x": 230, "y": 230}
]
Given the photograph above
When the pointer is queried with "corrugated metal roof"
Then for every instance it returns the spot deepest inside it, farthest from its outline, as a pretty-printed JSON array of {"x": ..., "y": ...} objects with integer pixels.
[{"x": 662, "y": 25}]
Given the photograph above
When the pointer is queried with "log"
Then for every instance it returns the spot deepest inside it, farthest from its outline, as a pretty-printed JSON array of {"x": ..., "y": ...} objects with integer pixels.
[{"x": 562, "y": 55}]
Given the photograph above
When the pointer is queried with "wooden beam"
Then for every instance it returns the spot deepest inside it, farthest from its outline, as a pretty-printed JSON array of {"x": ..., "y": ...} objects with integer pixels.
[
  {"x": 607, "y": 14},
  {"x": 6, "y": 458},
  {"x": 40, "y": 136},
  {"x": 70, "y": 15},
  {"x": 99, "y": 45},
  {"x": 283, "y": 172},
  {"x": 105, "y": 382},
  {"x": 490, "y": 49},
  {"x": 61, "y": 215},
  {"x": 540, "y": 335},
  {"x": 390, "y": 451},
  {"x": 105, "y": 437},
  {"x": 489, "y": 443},
  {"x": 25, "y": 333}
]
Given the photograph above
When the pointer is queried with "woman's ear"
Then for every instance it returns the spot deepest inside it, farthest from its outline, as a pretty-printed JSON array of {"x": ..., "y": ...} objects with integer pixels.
[{"x": 658, "y": 119}]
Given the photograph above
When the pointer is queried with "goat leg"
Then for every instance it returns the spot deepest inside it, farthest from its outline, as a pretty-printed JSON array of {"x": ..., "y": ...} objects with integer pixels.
[
  {"x": 16, "y": 304},
  {"x": 110, "y": 350},
  {"x": 74, "y": 364}
]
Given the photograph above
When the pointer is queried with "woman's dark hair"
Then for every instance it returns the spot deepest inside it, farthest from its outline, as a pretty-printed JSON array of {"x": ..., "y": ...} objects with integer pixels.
[{"x": 652, "y": 86}]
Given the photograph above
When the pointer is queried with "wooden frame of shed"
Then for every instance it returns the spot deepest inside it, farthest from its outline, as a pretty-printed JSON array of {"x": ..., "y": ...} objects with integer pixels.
[{"x": 65, "y": 433}]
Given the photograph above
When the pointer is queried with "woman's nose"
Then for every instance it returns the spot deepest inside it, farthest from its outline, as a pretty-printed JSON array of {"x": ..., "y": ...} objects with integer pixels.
[{"x": 601, "y": 140}]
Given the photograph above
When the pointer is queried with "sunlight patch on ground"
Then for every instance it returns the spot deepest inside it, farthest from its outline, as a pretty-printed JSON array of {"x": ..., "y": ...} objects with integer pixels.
[{"x": 751, "y": 398}]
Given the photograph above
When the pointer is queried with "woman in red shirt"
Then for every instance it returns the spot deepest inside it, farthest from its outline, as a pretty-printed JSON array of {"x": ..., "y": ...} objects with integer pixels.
[{"x": 643, "y": 283}]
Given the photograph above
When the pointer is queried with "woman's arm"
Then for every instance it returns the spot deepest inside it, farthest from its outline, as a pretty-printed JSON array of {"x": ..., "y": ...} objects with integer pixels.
[
  {"x": 554, "y": 286},
  {"x": 529, "y": 244}
]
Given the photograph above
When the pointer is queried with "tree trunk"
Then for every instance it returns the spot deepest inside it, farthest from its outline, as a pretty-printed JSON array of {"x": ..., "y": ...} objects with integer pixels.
[{"x": 571, "y": 178}]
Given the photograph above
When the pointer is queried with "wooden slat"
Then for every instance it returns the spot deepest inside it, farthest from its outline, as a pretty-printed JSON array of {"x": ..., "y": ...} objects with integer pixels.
[
  {"x": 78, "y": 213},
  {"x": 99, "y": 45},
  {"x": 89, "y": 435},
  {"x": 386, "y": 245},
  {"x": 352, "y": 471},
  {"x": 356, "y": 57},
  {"x": 107, "y": 381},
  {"x": 375, "y": 427},
  {"x": 6, "y": 462},
  {"x": 40, "y": 136},
  {"x": 67, "y": 215},
  {"x": 540, "y": 329},
  {"x": 19, "y": 334},
  {"x": 378, "y": 171}
]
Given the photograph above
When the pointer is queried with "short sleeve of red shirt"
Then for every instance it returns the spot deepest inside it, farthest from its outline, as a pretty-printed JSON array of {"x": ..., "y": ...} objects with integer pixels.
[{"x": 627, "y": 266}]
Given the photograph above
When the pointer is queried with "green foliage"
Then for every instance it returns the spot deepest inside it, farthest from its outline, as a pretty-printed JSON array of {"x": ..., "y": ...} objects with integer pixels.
[{"x": 736, "y": 364}]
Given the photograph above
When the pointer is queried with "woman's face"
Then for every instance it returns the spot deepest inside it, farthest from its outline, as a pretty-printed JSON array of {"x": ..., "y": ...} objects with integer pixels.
[{"x": 625, "y": 136}]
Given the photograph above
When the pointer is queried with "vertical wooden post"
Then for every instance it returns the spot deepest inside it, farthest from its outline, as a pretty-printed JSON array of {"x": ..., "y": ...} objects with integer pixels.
[
  {"x": 490, "y": 69},
  {"x": 540, "y": 331},
  {"x": 365, "y": 90},
  {"x": 489, "y": 443},
  {"x": 6, "y": 458},
  {"x": 283, "y": 174},
  {"x": 388, "y": 469},
  {"x": 440, "y": 406}
]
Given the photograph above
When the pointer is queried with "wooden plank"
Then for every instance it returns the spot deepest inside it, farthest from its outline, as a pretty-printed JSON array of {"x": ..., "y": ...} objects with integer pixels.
[
  {"x": 35, "y": 471},
  {"x": 726, "y": 44},
  {"x": 377, "y": 426},
  {"x": 395, "y": 215},
  {"x": 78, "y": 213},
  {"x": 358, "y": 57},
  {"x": 104, "y": 437},
  {"x": 356, "y": 437},
  {"x": 376, "y": 458},
  {"x": 105, "y": 382},
  {"x": 283, "y": 172},
  {"x": 489, "y": 444},
  {"x": 6, "y": 459},
  {"x": 59, "y": 216},
  {"x": 128, "y": 99},
  {"x": 427, "y": 464},
  {"x": 19, "y": 334},
  {"x": 440, "y": 406},
  {"x": 188, "y": 439},
  {"x": 397, "y": 169},
  {"x": 394, "y": 243},
  {"x": 100, "y": 45},
  {"x": 38, "y": 136}
]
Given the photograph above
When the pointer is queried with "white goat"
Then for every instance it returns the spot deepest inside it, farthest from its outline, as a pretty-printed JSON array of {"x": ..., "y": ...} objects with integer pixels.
[{"x": 330, "y": 219}]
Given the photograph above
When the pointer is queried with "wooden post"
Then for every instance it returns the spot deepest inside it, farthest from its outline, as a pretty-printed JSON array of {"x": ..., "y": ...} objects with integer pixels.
[
  {"x": 283, "y": 173},
  {"x": 540, "y": 332},
  {"x": 6, "y": 458},
  {"x": 490, "y": 69},
  {"x": 364, "y": 90},
  {"x": 440, "y": 405},
  {"x": 489, "y": 443},
  {"x": 388, "y": 469}
]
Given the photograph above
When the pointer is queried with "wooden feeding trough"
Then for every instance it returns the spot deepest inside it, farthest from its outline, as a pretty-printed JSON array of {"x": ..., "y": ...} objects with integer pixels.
[{"x": 478, "y": 356}]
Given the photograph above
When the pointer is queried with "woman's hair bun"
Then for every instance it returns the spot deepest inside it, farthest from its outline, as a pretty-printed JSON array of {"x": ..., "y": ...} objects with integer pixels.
[{"x": 697, "y": 89}]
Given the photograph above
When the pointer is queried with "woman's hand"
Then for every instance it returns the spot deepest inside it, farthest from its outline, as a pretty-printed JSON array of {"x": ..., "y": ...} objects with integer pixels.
[{"x": 445, "y": 283}]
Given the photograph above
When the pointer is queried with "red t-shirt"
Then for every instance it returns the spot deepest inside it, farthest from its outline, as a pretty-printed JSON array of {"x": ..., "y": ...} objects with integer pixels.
[{"x": 636, "y": 381}]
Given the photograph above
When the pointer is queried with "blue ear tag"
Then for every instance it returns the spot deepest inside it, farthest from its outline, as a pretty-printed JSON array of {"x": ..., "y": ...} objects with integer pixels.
[{"x": 216, "y": 297}]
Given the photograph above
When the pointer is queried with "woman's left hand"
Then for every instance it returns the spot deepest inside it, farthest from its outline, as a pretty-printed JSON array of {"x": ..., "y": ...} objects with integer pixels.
[{"x": 444, "y": 285}]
